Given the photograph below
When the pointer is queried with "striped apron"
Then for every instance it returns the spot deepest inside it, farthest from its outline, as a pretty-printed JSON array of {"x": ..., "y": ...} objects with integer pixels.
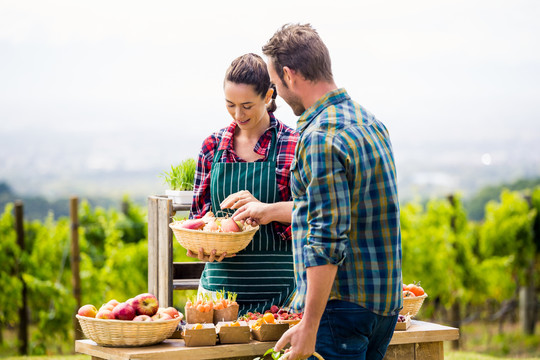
[{"x": 263, "y": 273}]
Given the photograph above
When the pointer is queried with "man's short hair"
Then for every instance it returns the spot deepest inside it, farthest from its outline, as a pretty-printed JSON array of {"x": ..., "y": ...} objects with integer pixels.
[{"x": 300, "y": 48}]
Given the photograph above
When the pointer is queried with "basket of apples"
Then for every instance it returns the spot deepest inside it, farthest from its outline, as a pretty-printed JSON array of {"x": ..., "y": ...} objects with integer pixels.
[
  {"x": 138, "y": 321},
  {"x": 222, "y": 233},
  {"x": 413, "y": 298}
]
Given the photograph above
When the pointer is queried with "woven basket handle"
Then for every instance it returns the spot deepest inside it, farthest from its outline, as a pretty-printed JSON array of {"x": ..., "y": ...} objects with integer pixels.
[{"x": 318, "y": 356}]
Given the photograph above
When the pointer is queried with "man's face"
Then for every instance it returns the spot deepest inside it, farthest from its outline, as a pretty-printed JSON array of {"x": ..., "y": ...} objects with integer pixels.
[{"x": 284, "y": 92}]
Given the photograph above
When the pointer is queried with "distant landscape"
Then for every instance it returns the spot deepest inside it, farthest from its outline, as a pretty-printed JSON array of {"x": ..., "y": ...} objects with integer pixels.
[{"x": 82, "y": 166}]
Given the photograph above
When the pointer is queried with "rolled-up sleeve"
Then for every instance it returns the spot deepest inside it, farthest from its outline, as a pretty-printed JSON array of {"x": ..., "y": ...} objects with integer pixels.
[{"x": 326, "y": 201}]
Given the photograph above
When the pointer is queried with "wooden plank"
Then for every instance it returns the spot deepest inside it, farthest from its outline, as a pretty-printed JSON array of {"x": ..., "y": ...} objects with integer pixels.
[
  {"x": 173, "y": 348},
  {"x": 421, "y": 331},
  {"x": 429, "y": 351},
  {"x": 185, "y": 284},
  {"x": 400, "y": 352},
  {"x": 181, "y": 207},
  {"x": 188, "y": 270},
  {"x": 153, "y": 262},
  {"x": 165, "y": 255}
]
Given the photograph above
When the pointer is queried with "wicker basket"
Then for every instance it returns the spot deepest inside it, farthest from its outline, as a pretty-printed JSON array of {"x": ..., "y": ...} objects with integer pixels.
[
  {"x": 411, "y": 305},
  {"x": 229, "y": 242},
  {"x": 121, "y": 333}
]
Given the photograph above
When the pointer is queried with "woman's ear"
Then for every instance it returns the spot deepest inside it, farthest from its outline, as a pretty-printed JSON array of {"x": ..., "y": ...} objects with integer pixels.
[{"x": 268, "y": 96}]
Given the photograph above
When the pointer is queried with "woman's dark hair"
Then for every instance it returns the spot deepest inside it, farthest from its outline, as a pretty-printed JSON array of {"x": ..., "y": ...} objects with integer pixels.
[{"x": 251, "y": 69}]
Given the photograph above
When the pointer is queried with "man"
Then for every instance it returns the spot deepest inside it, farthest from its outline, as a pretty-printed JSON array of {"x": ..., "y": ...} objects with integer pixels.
[{"x": 345, "y": 220}]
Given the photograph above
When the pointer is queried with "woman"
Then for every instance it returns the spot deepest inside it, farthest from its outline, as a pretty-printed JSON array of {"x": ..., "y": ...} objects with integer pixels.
[{"x": 249, "y": 162}]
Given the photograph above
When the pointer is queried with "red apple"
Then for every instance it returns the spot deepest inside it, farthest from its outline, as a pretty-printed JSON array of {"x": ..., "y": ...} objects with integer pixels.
[
  {"x": 88, "y": 311},
  {"x": 113, "y": 302},
  {"x": 161, "y": 316},
  {"x": 106, "y": 307},
  {"x": 145, "y": 304},
  {"x": 130, "y": 301},
  {"x": 142, "y": 318},
  {"x": 124, "y": 311},
  {"x": 172, "y": 312},
  {"x": 105, "y": 314},
  {"x": 229, "y": 225}
]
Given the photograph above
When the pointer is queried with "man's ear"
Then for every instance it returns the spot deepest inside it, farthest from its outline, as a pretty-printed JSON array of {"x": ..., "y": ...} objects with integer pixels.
[{"x": 289, "y": 76}]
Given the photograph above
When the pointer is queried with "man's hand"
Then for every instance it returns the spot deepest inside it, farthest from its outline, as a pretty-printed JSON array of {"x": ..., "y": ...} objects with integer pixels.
[
  {"x": 254, "y": 213},
  {"x": 302, "y": 340},
  {"x": 234, "y": 201},
  {"x": 208, "y": 258}
]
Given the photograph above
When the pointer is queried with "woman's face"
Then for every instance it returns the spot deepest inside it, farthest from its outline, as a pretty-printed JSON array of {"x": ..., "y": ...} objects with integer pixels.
[{"x": 247, "y": 108}]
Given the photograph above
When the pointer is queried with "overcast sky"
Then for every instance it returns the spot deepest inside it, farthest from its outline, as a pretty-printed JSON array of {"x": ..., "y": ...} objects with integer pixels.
[{"x": 432, "y": 71}]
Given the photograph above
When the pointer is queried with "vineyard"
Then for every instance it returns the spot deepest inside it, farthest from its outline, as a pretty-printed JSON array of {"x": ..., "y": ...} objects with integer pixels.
[{"x": 484, "y": 270}]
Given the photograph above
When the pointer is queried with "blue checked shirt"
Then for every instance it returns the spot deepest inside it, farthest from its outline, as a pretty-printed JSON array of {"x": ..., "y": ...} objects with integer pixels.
[{"x": 346, "y": 209}]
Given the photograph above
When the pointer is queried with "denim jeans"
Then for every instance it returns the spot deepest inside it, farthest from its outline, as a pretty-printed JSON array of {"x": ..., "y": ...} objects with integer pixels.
[{"x": 349, "y": 331}]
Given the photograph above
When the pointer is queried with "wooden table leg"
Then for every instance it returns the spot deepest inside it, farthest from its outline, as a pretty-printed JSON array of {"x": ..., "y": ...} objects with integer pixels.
[
  {"x": 418, "y": 351},
  {"x": 429, "y": 350}
]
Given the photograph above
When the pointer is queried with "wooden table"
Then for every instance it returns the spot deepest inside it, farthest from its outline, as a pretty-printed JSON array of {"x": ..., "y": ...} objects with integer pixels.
[{"x": 422, "y": 341}]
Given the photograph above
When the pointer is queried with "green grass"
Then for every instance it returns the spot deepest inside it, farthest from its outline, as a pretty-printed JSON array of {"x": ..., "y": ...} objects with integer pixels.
[
  {"x": 54, "y": 357},
  {"x": 460, "y": 355}
]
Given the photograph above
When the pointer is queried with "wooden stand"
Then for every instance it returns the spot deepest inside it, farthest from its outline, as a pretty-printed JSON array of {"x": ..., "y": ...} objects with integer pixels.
[
  {"x": 164, "y": 275},
  {"x": 422, "y": 341}
]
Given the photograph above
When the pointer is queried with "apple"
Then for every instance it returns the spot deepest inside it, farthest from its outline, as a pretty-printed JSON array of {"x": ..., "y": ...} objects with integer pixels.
[
  {"x": 229, "y": 225},
  {"x": 105, "y": 314},
  {"x": 142, "y": 318},
  {"x": 113, "y": 302},
  {"x": 106, "y": 307},
  {"x": 161, "y": 316},
  {"x": 145, "y": 304},
  {"x": 129, "y": 301},
  {"x": 87, "y": 311},
  {"x": 172, "y": 312},
  {"x": 124, "y": 311}
]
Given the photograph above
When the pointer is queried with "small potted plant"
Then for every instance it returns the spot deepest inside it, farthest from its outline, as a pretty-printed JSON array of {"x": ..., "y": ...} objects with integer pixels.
[{"x": 180, "y": 180}]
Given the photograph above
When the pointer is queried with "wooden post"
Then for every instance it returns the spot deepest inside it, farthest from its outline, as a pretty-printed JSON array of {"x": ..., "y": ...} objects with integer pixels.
[
  {"x": 75, "y": 260},
  {"x": 153, "y": 264},
  {"x": 23, "y": 310},
  {"x": 160, "y": 249},
  {"x": 455, "y": 310},
  {"x": 527, "y": 292}
]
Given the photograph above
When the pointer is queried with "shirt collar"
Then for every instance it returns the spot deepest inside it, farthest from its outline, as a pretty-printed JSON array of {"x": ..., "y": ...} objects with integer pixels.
[
  {"x": 330, "y": 98},
  {"x": 227, "y": 139}
]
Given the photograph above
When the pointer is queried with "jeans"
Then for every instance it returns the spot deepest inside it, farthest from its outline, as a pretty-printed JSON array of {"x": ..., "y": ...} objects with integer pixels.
[{"x": 349, "y": 331}]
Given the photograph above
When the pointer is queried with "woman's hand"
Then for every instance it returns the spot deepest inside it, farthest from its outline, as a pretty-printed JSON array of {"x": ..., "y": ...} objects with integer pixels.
[
  {"x": 208, "y": 258},
  {"x": 234, "y": 201}
]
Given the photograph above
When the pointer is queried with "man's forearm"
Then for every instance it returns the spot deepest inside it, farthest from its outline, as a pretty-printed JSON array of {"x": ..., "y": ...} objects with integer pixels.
[
  {"x": 319, "y": 284},
  {"x": 281, "y": 211}
]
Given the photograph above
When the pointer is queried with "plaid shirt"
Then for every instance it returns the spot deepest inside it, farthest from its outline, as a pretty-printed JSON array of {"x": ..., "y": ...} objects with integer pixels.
[
  {"x": 286, "y": 144},
  {"x": 346, "y": 209}
]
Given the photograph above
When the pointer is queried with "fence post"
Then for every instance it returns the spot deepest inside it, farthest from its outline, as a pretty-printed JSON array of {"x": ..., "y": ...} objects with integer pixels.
[
  {"x": 455, "y": 310},
  {"x": 75, "y": 260},
  {"x": 527, "y": 292},
  {"x": 23, "y": 310}
]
